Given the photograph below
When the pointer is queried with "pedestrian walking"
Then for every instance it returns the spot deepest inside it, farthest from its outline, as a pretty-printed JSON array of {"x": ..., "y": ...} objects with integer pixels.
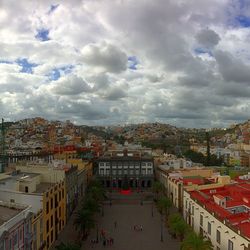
[{"x": 111, "y": 241}]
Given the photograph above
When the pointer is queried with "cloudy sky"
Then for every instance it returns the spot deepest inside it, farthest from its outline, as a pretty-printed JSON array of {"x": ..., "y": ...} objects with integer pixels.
[{"x": 182, "y": 62}]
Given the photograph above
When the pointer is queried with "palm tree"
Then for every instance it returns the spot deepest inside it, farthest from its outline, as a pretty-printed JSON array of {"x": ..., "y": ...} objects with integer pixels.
[
  {"x": 91, "y": 204},
  {"x": 196, "y": 242},
  {"x": 62, "y": 246},
  {"x": 84, "y": 221},
  {"x": 97, "y": 193},
  {"x": 163, "y": 205},
  {"x": 180, "y": 228},
  {"x": 158, "y": 188}
]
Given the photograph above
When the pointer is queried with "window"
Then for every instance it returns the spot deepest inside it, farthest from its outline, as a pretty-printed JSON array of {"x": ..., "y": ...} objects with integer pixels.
[
  {"x": 137, "y": 172},
  {"x": 48, "y": 241},
  {"x": 20, "y": 234},
  {"x": 114, "y": 172},
  {"x": 51, "y": 203},
  {"x": 51, "y": 221},
  {"x": 47, "y": 207},
  {"x": 209, "y": 228},
  {"x": 2, "y": 247},
  {"x": 26, "y": 189},
  {"x": 63, "y": 193},
  {"x": 101, "y": 171},
  {"x": 107, "y": 171},
  {"x": 218, "y": 236},
  {"x": 51, "y": 236},
  {"x": 15, "y": 239},
  {"x": 230, "y": 245},
  {"x": 149, "y": 171},
  {"x": 47, "y": 226},
  {"x": 131, "y": 171},
  {"x": 101, "y": 164},
  {"x": 201, "y": 220},
  {"x": 143, "y": 171},
  {"x": 125, "y": 171},
  {"x": 192, "y": 210},
  {"x": 119, "y": 172}
]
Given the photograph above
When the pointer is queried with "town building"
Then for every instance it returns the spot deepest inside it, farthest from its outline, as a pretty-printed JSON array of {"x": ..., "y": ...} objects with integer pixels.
[
  {"x": 15, "y": 226},
  {"x": 221, "y": 214},
  {"x": 47, "y": 197},
  {"x": 193, "y": 178},
  {"x": 125, "y": 169}
]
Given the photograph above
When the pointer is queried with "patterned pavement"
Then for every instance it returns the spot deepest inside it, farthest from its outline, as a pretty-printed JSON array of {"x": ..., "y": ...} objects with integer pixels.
[{"x": 125, "y": 238}]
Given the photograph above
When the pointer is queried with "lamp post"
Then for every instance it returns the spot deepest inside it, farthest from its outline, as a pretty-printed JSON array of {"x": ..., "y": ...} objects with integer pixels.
[
  {"x": 102, "y": 209},
  {"x": 97, "y": 233},
  {"x": 161, "y": 229},
  {"x": 152, "y": 210}
]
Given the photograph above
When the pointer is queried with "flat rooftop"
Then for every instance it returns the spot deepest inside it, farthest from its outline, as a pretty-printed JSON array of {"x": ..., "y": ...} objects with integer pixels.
[
  {"x": 43, "y": 187},
  {"x": 7, "y": 213},
  {"x": 23, "y": 175},
  {"x": 237, "y": 204}
]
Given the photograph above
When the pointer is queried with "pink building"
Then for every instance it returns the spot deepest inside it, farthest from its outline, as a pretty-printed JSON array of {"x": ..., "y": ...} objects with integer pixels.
[{"x": 15, "y": 226}]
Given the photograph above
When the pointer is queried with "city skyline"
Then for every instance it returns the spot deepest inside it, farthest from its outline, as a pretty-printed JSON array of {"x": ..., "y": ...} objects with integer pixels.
[{"x": 103, "y": 63}]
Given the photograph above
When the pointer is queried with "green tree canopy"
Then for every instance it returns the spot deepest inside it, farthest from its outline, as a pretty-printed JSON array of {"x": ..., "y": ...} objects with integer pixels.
[
  {"x": 163, "y": 205},
  {"x": 196, "y": 242},
  {"x": 63, "y": 246}
]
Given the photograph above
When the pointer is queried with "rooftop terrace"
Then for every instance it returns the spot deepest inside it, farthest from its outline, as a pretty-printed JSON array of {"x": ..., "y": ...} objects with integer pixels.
[{"x": 235, "y": 209}]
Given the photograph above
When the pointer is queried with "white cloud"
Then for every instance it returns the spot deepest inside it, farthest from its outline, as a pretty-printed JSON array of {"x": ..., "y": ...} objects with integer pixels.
[{"x": 173, "y": 83}]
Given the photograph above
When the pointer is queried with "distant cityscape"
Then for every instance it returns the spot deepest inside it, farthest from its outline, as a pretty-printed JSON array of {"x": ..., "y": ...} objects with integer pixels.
[{"x": 48, "y": 167}]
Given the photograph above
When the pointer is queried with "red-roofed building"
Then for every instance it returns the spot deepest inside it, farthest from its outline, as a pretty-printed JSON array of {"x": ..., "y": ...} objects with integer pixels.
[
  {"x": 196, "y": 178},
  {"x": 220, "y": 214}
]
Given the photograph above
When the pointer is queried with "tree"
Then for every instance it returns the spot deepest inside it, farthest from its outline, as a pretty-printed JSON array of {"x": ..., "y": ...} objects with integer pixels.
[
  {"x": 158, "y": 188},
  {"x": 177, "y": 225},
  {"x": 91, "y": 204},
  {"x": 62, "y": 246},
  {"x": 84, "y": 222},
  {"x": 163, "y": 205},
  {"x": 196, "y": 242}
]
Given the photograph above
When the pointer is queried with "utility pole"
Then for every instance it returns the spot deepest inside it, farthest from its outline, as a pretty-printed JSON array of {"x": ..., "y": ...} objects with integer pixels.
[
  {"x": 208, "y": 148},
  {"x": 3, "y": 151}
]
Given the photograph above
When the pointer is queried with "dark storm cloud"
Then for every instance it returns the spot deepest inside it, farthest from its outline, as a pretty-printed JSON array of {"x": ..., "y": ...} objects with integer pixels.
[
  {"x": 231, "y": 68},
  {"x": 208, "y": 38}
]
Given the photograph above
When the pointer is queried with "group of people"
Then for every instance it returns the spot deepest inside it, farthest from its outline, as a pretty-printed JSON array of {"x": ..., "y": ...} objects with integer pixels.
[
  {"x": 137, "y": 227},
  {"x": 106, "y": 241}
]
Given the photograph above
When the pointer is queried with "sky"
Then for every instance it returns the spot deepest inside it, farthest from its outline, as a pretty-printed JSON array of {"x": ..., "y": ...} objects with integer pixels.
[{"x": 104, "y": 62}]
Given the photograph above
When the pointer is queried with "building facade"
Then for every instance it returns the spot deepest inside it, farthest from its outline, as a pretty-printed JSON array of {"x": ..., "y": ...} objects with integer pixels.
[
  {"x": 15, "y": 226},
  {"x": 125, "y": 170},
  {"x": 220, "y": 215}
]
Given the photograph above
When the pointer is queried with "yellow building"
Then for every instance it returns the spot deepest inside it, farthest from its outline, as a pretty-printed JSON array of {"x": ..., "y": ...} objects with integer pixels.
[
  {"x": 46, "y": 196},
  {"x": 54, "y": 212}
]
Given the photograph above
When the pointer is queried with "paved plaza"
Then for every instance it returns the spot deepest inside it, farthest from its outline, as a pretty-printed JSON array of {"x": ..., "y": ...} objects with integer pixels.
[{"x": 125, "y": 238}]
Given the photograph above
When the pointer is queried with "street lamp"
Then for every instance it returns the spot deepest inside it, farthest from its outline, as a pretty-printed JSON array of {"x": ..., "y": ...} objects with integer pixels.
[
  {"x": 102, "y": 209},
  {"x": 152, "y": 210},
  {"x": 161, "y": 229},
  {"x": 97, "y": 233}
]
